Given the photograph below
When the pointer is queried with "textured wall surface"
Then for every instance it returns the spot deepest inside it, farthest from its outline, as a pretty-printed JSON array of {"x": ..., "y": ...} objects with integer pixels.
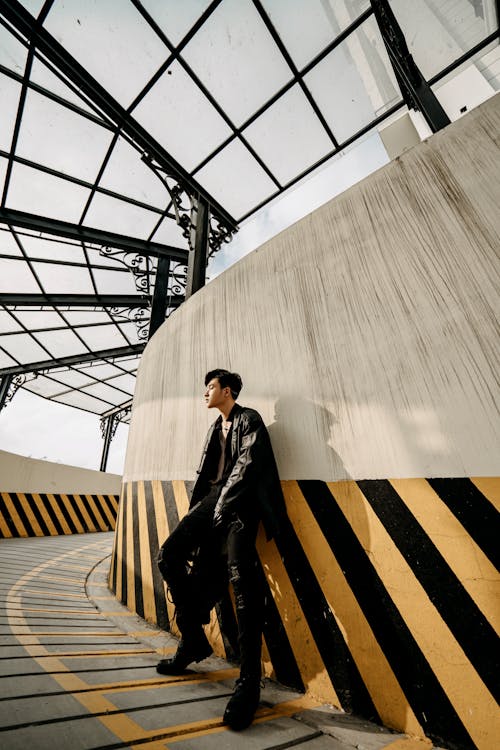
[
  {"x": 367, "y": 337},
  {"x": 23, "y": 474},
  {"x": 366, "y": 334}
]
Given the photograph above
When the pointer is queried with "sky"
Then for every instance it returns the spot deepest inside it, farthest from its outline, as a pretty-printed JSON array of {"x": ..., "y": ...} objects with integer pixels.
[{"x": 33, "y": 426}]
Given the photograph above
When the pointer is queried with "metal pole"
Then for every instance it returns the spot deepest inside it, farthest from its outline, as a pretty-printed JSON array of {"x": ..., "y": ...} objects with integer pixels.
[
  {"x": 197, "y": 262},
  {"x": 159, "y": 306},
  {"x": 415, "y": 90},
  {"x": 108, "y": 434},
  {"x": 5, "y": 382}
]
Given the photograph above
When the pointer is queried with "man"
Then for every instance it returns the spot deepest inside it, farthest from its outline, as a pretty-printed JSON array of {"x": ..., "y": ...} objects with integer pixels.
[{"x": 237, "y": 486}]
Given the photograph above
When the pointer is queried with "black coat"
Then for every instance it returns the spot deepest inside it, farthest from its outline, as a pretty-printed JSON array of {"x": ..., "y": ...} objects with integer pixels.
[{"x": 253, "y": 477}]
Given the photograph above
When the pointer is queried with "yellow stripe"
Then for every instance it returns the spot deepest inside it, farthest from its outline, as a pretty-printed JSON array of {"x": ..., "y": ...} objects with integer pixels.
[
  {"x": 29, "y": 514},
  {"x": 4, "y": 529},
  {"x": 490, "y": 487},
  {"x": 97, "y": 513},
  {"x": 107, "y": 512},
  {"x": 307, "y": 656},
  {"x": 472, "y": 701},
  {"x": 130, "y": 551},
  {"x": 69, "y": 507},
  {"x": 181, "y": 498},
  {"x": 148, "y": 597},
  {"x": 14, "y": 515},
  {"x": 83, "y": 510},
  {"x": 163, "y": 531},
  {"x": 471, "y": 566},
  {"x": 59, "y": 514},
  {"x": 118, "y": 546},
  {"x": 45, "y": 515},
  {"x": 385, "y": 691},
  {"x": 114, "y": 503}
]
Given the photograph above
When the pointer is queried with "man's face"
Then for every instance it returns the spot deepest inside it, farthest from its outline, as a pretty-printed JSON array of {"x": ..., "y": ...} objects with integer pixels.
[{"x": 215, "y": 396}]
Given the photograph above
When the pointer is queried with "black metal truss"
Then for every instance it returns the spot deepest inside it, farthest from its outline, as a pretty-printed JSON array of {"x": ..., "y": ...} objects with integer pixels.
[
  {"x": 74, "y": 300},
  {"x": 76, "y": 359},
  {"x": 45, "y": 43},
  {"x": 92, "y": 236}
]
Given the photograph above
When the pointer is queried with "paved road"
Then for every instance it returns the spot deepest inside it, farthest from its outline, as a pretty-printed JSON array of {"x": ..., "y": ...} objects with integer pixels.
[{"x": 77, "y": 670}]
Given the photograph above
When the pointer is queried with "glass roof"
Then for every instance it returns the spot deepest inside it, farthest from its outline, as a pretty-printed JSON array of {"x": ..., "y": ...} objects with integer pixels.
[{"x": 108, "y": 107}]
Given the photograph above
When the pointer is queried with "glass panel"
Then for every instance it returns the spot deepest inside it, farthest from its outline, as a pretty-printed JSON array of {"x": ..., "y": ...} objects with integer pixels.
[
  {"x": 117, "y": 47},
  {"x": 12, "y": 53},
  {"x": 125, "y": 382},
  {"x": 33, "y": 6},
  {"x": 24, "y": 348},
  {"x": 235, "y": 166},
  {"x": 170, "y": 233},
  {"x": 83, "y": 401},
  {"x": 99, "y": 372},
  {"x": 173, "y": 111},
  {"x": 7, "y": 323},
  {"x": 61, "y": 343},
  {"x": 98, "y": 259},
  {"x": 3, "y": 172},
  {"x": 5, "y": 360},
  {"x": 45, "y": 195},
  {"x": 102, "y": 337},
  {"x": 355, "y": 82},
  {"x": 34, "y": 319},
  {"x": 43, "y": 387},
  {"x": 438, "y": 33},
  {"x": 16, "y": 276},
  {"x": 38, "y": 247},
  {"x": 109, "y": 282},
  {"x": 44, "y": 77},
  {"x": 175, "y": 18},
  {"x": 84, "y": 317},
  {"x": 288, "y": 136},
  {"x": 130, "y": 365},
  {"x": 114, "y": 215},
  {"x": 127, "y": 174},
  {"x": 53, "y": 135},
  {"x": 8, "y": 245},
  {"x": 101, "y": 390},
  {"x": 130, "y": 331},
  {"x": 305, "y": 32},
  {"x": 236, "y": 58},
  {"x": 9, "y": 96},
  {"x": 72, "y": 378},
  {"x": 68, "y": 279}
]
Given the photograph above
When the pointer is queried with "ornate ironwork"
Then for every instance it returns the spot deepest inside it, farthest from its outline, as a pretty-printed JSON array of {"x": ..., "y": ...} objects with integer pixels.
[
  {"x": 140, "y": 266},
  {"x": 103, "y": 424},
  {"x": 138, "y": 315},
  {"x": 218, "y": 234},
  {"x": 177, "y": 279},
  {"x": 17, "y": 382}
]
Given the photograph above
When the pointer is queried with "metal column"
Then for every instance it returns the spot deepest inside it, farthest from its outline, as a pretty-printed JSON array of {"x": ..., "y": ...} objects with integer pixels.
[
  {"x": 159, "y": 305},
  {"x": 197, "y": 262},
  {"x": 415, "y": 90},
  {"x": 5, "y": 382},
  {"x": 108, "y": 428}
]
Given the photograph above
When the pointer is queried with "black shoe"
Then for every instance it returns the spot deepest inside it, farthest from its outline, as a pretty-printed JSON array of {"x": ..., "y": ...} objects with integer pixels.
[
  {"x": 189, "y": 650},
  {"x": 243, "y": 704}
]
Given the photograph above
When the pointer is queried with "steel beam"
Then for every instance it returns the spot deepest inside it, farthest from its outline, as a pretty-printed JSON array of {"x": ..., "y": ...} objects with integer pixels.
[
  {"x": 197, "y": 263},
  {"x": 88, "y": 234},
  {"x": 27, "y": 25},
  {"x": 108, "y": 434},
  {"x": 75, "y": 300},
  {"x": 416, "y": 91},
  {"x": 5, "y": 382},
  {"x": 159, "y": 306},
  {"x": 76, "y": 359}
]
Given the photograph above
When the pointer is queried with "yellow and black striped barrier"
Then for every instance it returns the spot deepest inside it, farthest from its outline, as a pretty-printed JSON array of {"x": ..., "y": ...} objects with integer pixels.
[
  {"x": 379, "y": 596},
  {"x": 24, "y": 514}
]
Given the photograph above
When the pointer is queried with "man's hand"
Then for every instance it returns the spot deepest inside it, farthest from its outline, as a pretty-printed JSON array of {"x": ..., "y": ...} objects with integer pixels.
[{"x": 219, "y": 516}]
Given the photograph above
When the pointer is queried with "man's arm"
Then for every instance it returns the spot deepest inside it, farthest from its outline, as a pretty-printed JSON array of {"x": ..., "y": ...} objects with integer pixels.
[{"x": 247, "y": 465}]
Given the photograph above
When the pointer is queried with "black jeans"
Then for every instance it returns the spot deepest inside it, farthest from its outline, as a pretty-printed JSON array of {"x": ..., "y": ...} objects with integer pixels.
[{"x": 196, "y": 561}]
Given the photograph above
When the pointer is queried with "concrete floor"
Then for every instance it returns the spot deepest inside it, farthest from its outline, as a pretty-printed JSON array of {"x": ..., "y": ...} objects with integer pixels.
[{"x": 77, "y": 670}]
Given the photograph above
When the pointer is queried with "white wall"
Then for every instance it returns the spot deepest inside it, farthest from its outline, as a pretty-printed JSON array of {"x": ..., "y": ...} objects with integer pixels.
[
  {"x": 365, "y": 334},
  {"x": 22, "y": 474}
]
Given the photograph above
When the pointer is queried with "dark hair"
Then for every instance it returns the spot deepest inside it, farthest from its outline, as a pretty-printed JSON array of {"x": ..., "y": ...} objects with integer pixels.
[{"x": 226, "y": 378}]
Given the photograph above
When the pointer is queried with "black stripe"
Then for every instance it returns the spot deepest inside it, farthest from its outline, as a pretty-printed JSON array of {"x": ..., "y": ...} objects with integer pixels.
[
  {"x": 427, "y": 698},
  {"x": 336, "y": 657},
  {"x": 37, "y": 514},
  {"x": 64, "y": 512},
  {"x": 78, "y": 513},
  {"x": 123, "y": 596},
  {"x": 106, "y": 500},
  {"x": 51, "y": 513},
  {"x": 136, "y": 541},
  {"x": 278, "y": 645},
  {"x": 98, "y": 512},
  {"x": 474, "y": 511},
  {"x": 170, "y": 506},
  {"x": 8, "y": 519},
  {"x": 158, "y": 588},
  {"x": 22, "y": 514},
  {"x": 102, "y": 505},
  {"x": 462, "y": 615},
  {"x": 91, "y": 513}
]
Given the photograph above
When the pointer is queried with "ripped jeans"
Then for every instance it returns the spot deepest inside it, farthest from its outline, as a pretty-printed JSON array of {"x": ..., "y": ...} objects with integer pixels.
[{"x": 196, "y": 562}]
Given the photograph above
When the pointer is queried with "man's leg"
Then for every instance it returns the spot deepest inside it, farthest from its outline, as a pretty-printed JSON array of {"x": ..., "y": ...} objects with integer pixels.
[
  {"x": 242, "y": 567},
  {"x": 194, "y": 531}
]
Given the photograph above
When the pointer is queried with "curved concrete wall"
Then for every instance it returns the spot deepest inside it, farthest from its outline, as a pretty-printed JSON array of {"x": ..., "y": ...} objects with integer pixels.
[{"x": 366, "y": 336}]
